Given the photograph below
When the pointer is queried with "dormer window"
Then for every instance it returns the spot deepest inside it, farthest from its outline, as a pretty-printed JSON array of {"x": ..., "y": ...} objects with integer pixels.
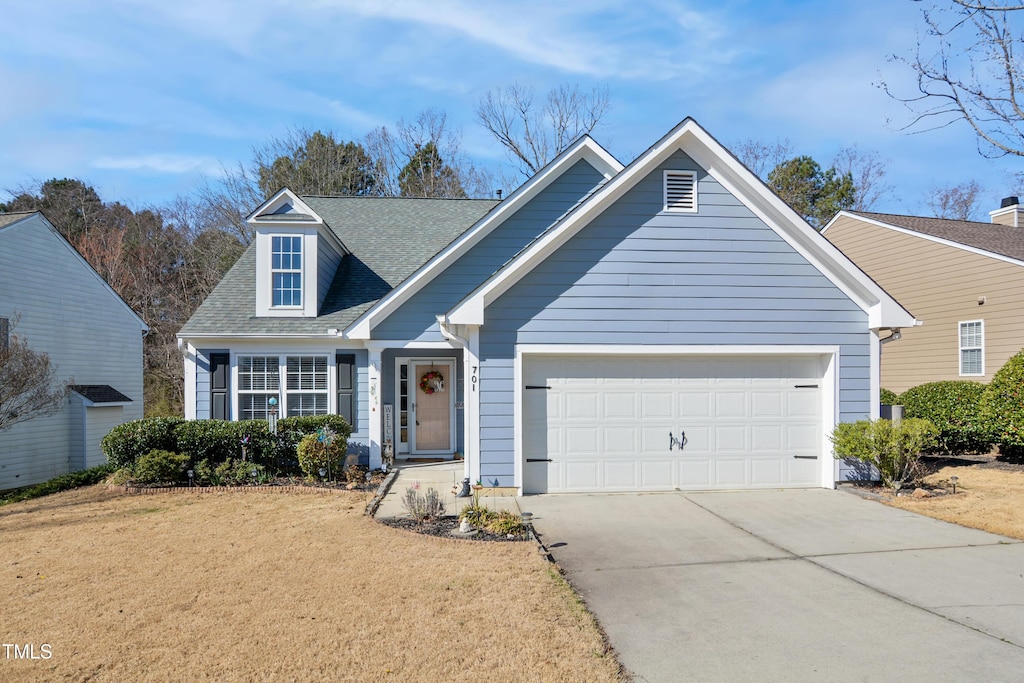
[{"x": 286, "y": 270}]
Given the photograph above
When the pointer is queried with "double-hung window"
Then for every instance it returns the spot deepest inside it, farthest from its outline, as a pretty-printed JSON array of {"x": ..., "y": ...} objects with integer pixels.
[
  {"x": 972, "y": 348},
  {"x": 306, "y": 385},
  {"x": 303, "y": 389},
  {"x": 286, "y": 270},
  {"x": 259, "y": 380}
]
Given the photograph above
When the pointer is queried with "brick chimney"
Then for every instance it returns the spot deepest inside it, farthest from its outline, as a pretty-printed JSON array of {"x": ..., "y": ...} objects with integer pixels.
[{"x": 1009, "y": 213}]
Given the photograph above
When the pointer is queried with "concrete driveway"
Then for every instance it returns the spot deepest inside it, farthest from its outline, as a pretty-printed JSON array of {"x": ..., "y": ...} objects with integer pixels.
[{"x": 789, "y": 586}]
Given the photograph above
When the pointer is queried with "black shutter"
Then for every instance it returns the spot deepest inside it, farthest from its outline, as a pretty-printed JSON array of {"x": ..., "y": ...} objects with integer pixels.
[
  {"x": 347, "y": 387},
  {"x": 5, "y": 333},
  {"x": 220, "y": 365}
]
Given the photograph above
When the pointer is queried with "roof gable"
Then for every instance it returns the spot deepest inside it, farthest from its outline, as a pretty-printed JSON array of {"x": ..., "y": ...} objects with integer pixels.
[
  {"x": 386, "y": 240},
  {"x": 984, "y": 238},
  {"x": 584, "y": 149},
  {"x": 689, "y": 137},
  {"x": 17, "y": 221}
]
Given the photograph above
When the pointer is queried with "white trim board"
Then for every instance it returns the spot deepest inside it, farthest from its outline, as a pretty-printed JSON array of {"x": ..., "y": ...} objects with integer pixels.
[
  {"x": 925, "y": 236},
  {"x": 883, "y": 311},
  {"x": 583, "y": 149}
]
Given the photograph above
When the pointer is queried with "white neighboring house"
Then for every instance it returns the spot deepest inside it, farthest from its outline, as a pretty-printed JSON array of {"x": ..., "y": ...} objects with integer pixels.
[{"x": 66, "y": 310}]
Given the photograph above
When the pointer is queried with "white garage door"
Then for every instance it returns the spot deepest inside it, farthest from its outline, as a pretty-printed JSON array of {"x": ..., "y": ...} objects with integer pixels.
[{"x": 615, "y": 423}]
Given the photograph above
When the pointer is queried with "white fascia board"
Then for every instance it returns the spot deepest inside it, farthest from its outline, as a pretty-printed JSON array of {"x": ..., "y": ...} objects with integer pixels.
[
  {"x": 276, "y": 200},
  {"x": 930, "y": 238},
  {"x": 883, "y": 311},
  {"x": 742, "y": 183},
  {"x": 675, "y": 350},
  {"x": 586, "y": 148}
]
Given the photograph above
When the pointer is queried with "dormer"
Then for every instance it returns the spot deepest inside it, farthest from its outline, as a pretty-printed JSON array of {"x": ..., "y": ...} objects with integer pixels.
[{"x": 297, "y": 255}]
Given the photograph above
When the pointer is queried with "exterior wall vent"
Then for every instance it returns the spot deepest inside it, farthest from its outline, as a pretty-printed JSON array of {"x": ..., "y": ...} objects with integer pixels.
[{"x": 681, "y": 191}]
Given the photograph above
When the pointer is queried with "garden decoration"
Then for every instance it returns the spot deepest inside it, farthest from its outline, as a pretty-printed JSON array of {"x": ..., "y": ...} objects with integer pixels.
[{"x": 432, "y": 382}]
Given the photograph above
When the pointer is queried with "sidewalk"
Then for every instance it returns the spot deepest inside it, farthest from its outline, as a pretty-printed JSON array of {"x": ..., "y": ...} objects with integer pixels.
[{"x": 446, "y": 479}]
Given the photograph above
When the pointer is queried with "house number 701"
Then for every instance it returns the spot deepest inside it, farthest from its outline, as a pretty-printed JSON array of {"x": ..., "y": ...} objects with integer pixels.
[{"x": 473, "y": 378}]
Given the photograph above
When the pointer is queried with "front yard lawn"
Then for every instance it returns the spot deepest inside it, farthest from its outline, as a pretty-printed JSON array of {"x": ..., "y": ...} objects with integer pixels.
[
  {"x": 271, "y": 586},
  {"x": 989, "y": 496}
]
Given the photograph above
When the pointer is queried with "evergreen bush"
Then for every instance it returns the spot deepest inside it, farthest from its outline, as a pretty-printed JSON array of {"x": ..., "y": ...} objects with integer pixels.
[
  {"x": 954, "y": 407},
  {"x": 893, "y": 448},
  {"x": 125, "y": 443},
  {"x": 1003, "y": 406}
]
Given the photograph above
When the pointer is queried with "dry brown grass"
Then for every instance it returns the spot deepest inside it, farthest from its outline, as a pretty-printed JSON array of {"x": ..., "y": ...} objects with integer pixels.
[
  {"x": 265, "y": 586},
  {"x": 987, "y": 499}
]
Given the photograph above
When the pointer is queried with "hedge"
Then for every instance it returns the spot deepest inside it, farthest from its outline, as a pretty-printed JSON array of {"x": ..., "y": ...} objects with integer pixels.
[
  {"x": 954, "y": 407},
  {"x": 888, "y": 398},
  {"x": 217, "y": 441},
  {"x": 1003, "y": 406}
]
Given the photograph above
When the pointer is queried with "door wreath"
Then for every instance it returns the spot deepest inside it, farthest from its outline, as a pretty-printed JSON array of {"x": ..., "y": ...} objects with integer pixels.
[{"x": 432, "y": 382}]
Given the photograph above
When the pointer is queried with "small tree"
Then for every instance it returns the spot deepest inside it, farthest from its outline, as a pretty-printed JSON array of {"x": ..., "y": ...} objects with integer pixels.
[
  {"x": 28, "y": 380},
  {"x": 893, "y": 448},
  {"x": 1002, "y": 406}
]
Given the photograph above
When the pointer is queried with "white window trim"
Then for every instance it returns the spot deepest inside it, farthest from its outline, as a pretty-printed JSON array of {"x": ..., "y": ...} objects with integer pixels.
[
  {"x": 666, "y": 176},
  {"x": 282, "y": 380},
  {"x": 300, "y": 271},
  {"x": 961, "y": 348}
]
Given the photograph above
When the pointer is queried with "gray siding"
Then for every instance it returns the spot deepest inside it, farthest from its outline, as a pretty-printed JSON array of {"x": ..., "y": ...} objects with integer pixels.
[
  {"x": 415, "y": 319},
  {"x": 327, "y": 266},
  {"x": 67, "y": 313},
  {"x": 637, "y": 275}
]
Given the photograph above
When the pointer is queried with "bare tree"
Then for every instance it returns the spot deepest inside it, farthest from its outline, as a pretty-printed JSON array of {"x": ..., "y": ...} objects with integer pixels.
[
  {"x": 533, "y": 133},
  {"x": 392, "y": 150},
  {"x": 957, "y": 202},
  {"x": 761, "y": 157},
  {"x": 228, "y": 201},
  {"x": 868, "y": 171},
  {"x": 971, "y": 73},
  {"x": 29, "y": 386}
]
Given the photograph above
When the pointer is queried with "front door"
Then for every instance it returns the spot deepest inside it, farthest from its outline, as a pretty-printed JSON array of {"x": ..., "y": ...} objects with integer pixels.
[{"x": 431, "y": 388}]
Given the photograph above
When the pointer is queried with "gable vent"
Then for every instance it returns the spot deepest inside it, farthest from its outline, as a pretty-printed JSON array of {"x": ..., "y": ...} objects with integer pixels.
[{"x": 681, "y": 191}]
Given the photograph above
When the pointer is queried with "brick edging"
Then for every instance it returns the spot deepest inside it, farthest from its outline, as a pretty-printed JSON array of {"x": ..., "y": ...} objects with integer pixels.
[{"x": 291, "y": 488}]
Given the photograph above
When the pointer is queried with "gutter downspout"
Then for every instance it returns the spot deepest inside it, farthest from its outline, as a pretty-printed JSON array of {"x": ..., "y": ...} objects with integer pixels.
[{"x": 469, "y": 414}]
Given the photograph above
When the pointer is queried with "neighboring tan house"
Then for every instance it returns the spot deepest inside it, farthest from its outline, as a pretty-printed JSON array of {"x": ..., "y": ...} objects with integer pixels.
[
  {"x": 964, "y": 280},
  {"x": 55, "y": 300},
  {"x": 668, "y": 325}
]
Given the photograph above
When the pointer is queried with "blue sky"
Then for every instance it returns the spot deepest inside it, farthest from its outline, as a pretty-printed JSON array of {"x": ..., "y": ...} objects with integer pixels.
[{"x": 143, "y": 98}]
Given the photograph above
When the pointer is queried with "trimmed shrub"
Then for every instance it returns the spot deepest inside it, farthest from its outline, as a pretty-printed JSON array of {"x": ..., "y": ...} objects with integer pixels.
[
  {"x": 888, "y": 398},
  {"x": 323, "y": 450},
  {"x": 127, "y": 442},
  {"x": 954, "y": 407},
  {"x": 159, "y": 467},
  {"x": 1003, "y": 406},
  {"x": 222, "y": 440},
  {"x": 893, "y": 448},
  {"x": 230, "y": 473}
]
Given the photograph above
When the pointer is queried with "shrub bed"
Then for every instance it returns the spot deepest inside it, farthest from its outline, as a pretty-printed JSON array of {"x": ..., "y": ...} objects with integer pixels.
[
  {"x": 65, "y": 482},
  {"x": 894, "y": 448},
  {"x": 223, "y": 451}
]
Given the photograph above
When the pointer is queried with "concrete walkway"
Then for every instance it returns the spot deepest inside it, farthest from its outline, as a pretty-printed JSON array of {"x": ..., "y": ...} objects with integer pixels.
[
  {"x": 789, "y": 586},
  {"x": 446, "y": 479}
]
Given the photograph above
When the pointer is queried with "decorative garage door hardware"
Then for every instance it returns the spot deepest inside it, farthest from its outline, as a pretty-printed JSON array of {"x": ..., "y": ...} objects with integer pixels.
[
  {"x": 536, "y": 386},
  {"x": 806, "y": 457},
  {"x": 805, "y": 386},
  {"x": 673, "y": 441},
  {"x": 539, "y": 460}
]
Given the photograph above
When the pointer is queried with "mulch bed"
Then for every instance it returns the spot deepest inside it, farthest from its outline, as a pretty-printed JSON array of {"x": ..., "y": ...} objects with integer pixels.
[
  {"x": 444, "y": 526},
  {"x": 934, "y": 463}
]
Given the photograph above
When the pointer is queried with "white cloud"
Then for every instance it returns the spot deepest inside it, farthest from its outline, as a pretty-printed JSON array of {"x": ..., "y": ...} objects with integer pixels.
[{"x": 159, "y": 163}]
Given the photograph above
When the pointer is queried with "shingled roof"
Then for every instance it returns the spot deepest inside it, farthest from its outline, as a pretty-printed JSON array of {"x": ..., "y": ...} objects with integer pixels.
[
  {"x": 998, "y": 239},
  {"x": 389, "y": 238}
]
